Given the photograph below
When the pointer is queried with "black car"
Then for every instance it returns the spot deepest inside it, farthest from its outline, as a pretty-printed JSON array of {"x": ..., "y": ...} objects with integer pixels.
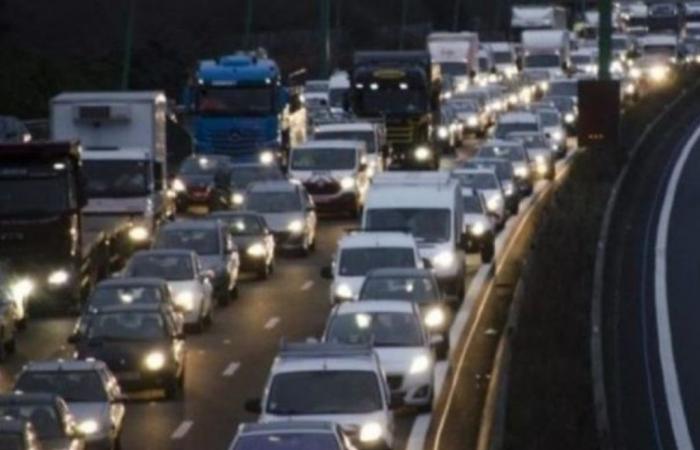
[
  {"x": 242, "y": 175},
  {"x": 203, "y": 183},
  {"x": 141, "y": 344},
  {"x": 413, "y": 285},
  {"x": 255, "y": 242},
  {"x": 18, "y": 434},
  {"x": 504, "y": 172},
  {"x": 13, "y": 130},
  {"x": 49, "y": 416}
]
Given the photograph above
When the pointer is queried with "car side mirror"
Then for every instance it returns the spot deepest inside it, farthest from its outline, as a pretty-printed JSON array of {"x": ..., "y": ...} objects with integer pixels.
[
  {"x": 327, "y": 272},
  {"x": 397, "y": 400},
  {"x": 253, "y": 405},
  {"x": 427, "y": 263}
]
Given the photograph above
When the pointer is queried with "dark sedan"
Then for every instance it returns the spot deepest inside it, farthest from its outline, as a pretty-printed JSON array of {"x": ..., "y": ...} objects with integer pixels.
[
  {"x": 203, "y": 184},
  {"x": 255, "y": 242}
]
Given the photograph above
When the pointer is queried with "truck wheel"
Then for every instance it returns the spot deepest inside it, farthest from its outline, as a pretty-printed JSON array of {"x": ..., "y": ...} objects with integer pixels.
[{"x": 487, "y": 252}]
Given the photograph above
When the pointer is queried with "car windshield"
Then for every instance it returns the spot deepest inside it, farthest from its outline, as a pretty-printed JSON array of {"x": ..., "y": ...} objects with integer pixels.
[
  {"x": 564, "y": 88},
  {"x": 324, "y": 159},
  {"x": 563, "y": 103},
  {"x": 504, "y": 129},
  {"x": 472, "y": 204},
  {"x": 365, "y": 136},
  {"x": 273, "y": 202},
  {"x": 324, "y": 392},
  {"x": 532, "y": 140},
  {"x": 126, "y": 326},
  {"x": 477, "y": 180},
  {"x": 33, "y": 190},
  {"x": 503, "y": 57},
  {"x": 336, "y": 97},
  {"x": 549, "y": 119},
  {"x": 166, "y": 267},
  {"x": 71, "y": 386},
  {"x": 412, "y": 289},
  {"x": 425, "y": 224},
  {"x": 236, "y": 101},
  {"x": 203, "y": 241},
  {"x": 116, "y": 179},
  {"x": 11, "y": 441},
  {"x": 619, "y": 43},
  {"x": 510, "y": 152},
  {"x": 484, "y": 64},
  {"x": 381, "y": 329},
  {"x": 241, "y": 177},
  {"x": 243, "y": 225},
  {"x": 462, "y": 106},
  {"x": 113, "y": 295},
  {"x": 542, "y": 60},
  {"x": 288, "y": 441},
  {"x": 202, "y": 165},
  {"x": 47, "y": 424},
  {"x": 356, "y": 262},
  {"x": 454, "y": 69}
]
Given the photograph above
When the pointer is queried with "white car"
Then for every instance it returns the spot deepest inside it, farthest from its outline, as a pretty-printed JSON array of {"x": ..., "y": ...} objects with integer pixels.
[
  {"x": 541, "y": 154},
  {"x": 361, "y": 252},
  {"x": 479, "y": 225},
  {"x": 554, "y": 130},
  {"x": 371, "y": 133},
  {"x": 396, "y": 331},
  {"x": 487, "y": 183},
  {"x": 190, "y": 286},
  {"x": 344, "y": 384}
]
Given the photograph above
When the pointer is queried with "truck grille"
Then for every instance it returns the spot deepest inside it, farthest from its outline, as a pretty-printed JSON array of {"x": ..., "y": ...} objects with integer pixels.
[
  {"x": 233, "y": 140},
  {"x": 400, "y": 134},
  {"x": 322, "y": 187}
]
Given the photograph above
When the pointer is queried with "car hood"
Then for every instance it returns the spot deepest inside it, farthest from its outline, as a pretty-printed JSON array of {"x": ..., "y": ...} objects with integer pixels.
[
  {"x": 98, "y": 411},
  {"x": 243, "y": 242},
  {"x": 429, "y": 250},
  {"x": 534, "y": 152},
  {"x": 471, "y": 218},
  {"x": 119, "y": 206},
  {"x": 195, "y": 180},
  {"x": 279, "y": 221},
  {"x": 398, "y": 360}
]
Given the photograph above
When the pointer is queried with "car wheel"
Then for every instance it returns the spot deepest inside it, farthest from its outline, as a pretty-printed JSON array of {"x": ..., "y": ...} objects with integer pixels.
[
  {"x": 552, "y": 174},
  {"x": 487, "y": 252},
  {"x": 515, "y": 209}
]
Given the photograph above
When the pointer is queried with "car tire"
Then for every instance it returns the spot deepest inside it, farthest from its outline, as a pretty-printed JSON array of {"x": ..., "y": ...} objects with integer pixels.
[
  {"x": 552, "y": 174},
  {"x": 515, "y": 209},
  {"x": 487, "y": 252}
]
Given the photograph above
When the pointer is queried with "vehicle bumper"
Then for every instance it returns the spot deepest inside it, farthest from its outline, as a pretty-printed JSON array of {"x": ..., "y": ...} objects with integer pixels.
[
  {"x": 138, "y": 380},
  {"x": 284, "y": 240},
  {"x": 252, "y": 264},
  {"x": 343, "y": 201}
]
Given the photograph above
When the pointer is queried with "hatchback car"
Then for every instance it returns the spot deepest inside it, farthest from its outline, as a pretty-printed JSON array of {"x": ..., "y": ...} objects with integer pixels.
[
  {"x": 244, "y": 174},
  {"x": 517, "y": 155},
  {"x": 504, "y": 171},
  {"x": 203, "y": 184},
  {"x": 488, "y": 185},
  {"x": 254, "y": 240},
  {"x": 91, "y": 391},
  {"x": 539, "y": 149},
  {"x": 300, "y": 435},
  {"x": 141, "y": 345}
]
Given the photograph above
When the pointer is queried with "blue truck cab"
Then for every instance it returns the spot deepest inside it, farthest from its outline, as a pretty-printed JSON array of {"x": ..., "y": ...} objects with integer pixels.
[{"x": 240, "y": 108}]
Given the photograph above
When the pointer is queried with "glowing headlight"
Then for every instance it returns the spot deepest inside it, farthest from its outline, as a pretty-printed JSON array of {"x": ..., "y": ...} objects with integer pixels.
[
  {"x": 138, "y": 233},
  {"x": 22, "y": 289},
  {"x": 343, "y": 291},
  {"x": 419, "y": 364},
  {"x": 544, "y": 86},
  {"x": 435, "y": 318},
  {"x": 347, "y": 183},
  {"x": 267, "y": 157},
  {"x": 569, "y": 118},
  {"x": 58, "y": 277},
  {"x": 295, "y": 226},
  {"x": 493, "y": 78},
  {"x": 478, "y": 228},
  {"x": 558, "y": 136},
  {"x": 540, "y": 160},
  {"x": 513, "y": 99},
  {"x": 179, "y": 185},
  {"x": 444, "y": 259},
  {"x": 371, "y": 432},
  {"x": 472, "y": 121},
  {"x": 88, "y": 427},
  {"x": 256, "y": 250},
  {"x": 443, "y": 132},
  {"x": 237, "y": 199},
  {"x": 616, "y": 67},
  {"x": 185, "y": 300},
  {"x": 630, "y": 89},
  {"x": 635, "y": 73},
  {"x": 422, "y": 153},
  {"x": 154, "y": 361},
  {"x": 658, "y": 73},
  {"x": 494, "y": 203},
  {"x": 521, "y": 171}
]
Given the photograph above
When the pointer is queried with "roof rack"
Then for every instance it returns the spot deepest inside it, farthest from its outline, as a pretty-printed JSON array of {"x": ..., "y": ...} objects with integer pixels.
[{"x": 323, "y": 350}]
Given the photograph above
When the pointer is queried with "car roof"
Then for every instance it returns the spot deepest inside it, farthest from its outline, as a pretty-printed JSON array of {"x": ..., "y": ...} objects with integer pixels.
[
  {"x": 376, "y": 306},
  {"x": 71, "y": 365},
  {"x": 345, "y": 126},
  {"x": 409, "y": 197},
  {"x": 190, "y": 224},
  {"x": 500, "y": 143},
  {"x": 164, "y": 252},
  {"x": 399, "y": 272},
  {"x": 273, "y": 186},
  {"x": 474, "y": 170},
  {"x": 380, "y": 239},
  {"x": 131, "y": 282},
  {"x": 325, "y": 356},
  {"x": 330, "y": 143},
  {"x": 287, "y": 426},
  {"x": 227, "y": 214}
]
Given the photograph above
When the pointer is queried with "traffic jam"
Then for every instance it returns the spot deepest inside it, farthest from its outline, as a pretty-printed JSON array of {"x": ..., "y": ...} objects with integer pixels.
[{"x": 416, "y": 159}]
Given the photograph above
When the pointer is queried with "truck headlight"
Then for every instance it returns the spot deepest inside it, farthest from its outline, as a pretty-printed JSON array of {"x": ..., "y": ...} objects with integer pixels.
[
  {"x": 295, "y": 226},
  {"x": 557, "y": 136},
  {"x": 179, "y": 185},
  {"x": 88, "y": 427},
  {"x": 347, "y": 183},
  {"x": 343, "y": 291},
  {"x": 434, "y": 318},
  {"x": 371, "y": 432},
  {"x": 422, "y": 153},
  {"x": 237, "y": 199},
  {"x": 419, "y": 364},
  {"x": 185, "y": 300},
  {"x": 256, "y": 250},
  {"x": 21, "y": 289},
  {"x": 58, "y": 277},
  {"x": 630, "y": 89},
  {"x": 154, "y": 361},
  {"x": 569, "y": 118},
  {"x": 138, "y": 233},
  {"x": 267, "y": 157},
  {"x": 443, "y": 132},
  {"x": 443, "y": 260},
  {"x": 494, "y": 203}
]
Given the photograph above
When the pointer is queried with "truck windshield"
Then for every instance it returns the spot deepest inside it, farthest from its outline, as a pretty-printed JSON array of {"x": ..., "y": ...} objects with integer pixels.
[
  {"x": 324, "y": 159},
  {"x": 45, "y": 195},
  {"x": 235, "y": 101},
  {"x": 503, "y": 57},
  {"x": 393, "y": 101},
  {"x": 543, "y": 60},
  {"x": 116, "y": 179},
  {"x": 425, "y": 224}
]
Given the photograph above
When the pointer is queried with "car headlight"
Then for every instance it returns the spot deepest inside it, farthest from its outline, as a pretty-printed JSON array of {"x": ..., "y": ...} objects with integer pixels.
[
  {"x": 185, "y": 300},
  {"x": 443, "y": 132},
  {"x": 419, "y": 364},
  {"x": 472, "y": 121},
  {"x": 434, "y": 318},
  {"x": 422, "y": 153},
  {"x": 138, "y": 233},
  {"x": 658, "y": 73},
  {"x": 154, "y": 361},
  {"x": 544, "y": 86},
  {"x": 558, "y": 136},
  {"x": 347, "y": 183},
  {"x": 267, "y": 157},
  {"x": 630, "y": 89},
  {"x": 295, "y": 226},
  {"x": 58, "y": 277},
  {"x": 635, "y": 73},
  {"x": 494, "y": 203},
  {"x": 256, "y": 250},
  {"x": 88, "y": 427},
  {"x": 444, "y": 259},
  {"x": 237, "y": 199},
  {"x": 521, "y": 171},
  {"x": 371, "y": 432},
  {"x": 513, "y": 99},
  {"x": 179, "y": 185},
  {"x": 478, "y": 228},
  {"x": 22, "y": 289},
  {"x": 569, "y": 118},
  {"x": 540, "y": 160},
  {"x": 343, "y": 291}
]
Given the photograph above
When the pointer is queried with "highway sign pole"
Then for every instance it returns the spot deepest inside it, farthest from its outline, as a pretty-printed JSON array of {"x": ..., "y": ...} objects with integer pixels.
[
  {"x": 248, "y": 23},
  {"x": 128, "y": 45},
  {"x": 604, "y": 38}
]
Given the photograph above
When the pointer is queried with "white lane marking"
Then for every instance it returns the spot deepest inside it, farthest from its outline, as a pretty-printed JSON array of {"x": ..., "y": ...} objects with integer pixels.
[
  {"x": 416, "y": 439},
  {"x": 674, "y": 400},
  {"x": 231, "y": 369},
  {"x": 308, "y": 285},
  {"x": 272, "y": 323},
  {"x": 182, "y": 430}
]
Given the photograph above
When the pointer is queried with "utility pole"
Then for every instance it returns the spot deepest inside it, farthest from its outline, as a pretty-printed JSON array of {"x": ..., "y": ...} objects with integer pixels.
[
  {"x": 402, "y": 29},
  {"x": 128, "y": 45},
  {"x": 604, "y": 38},
  {"x": 455, "y": 15},
  {"x": 325, "y": 13},
  {"x": 248, "y": 24}
]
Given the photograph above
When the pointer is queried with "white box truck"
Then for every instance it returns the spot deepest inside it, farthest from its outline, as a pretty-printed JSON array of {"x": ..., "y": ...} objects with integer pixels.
[
  {"x": 123, "y": 136},
  {"x": 546, "y": 51},
  {"x": 457, "y": 54},
  {"x": 537, "y": 17}
]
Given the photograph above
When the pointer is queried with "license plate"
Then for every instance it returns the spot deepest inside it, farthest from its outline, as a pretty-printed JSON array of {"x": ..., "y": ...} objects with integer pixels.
[{"x": 129, "y": 376}]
